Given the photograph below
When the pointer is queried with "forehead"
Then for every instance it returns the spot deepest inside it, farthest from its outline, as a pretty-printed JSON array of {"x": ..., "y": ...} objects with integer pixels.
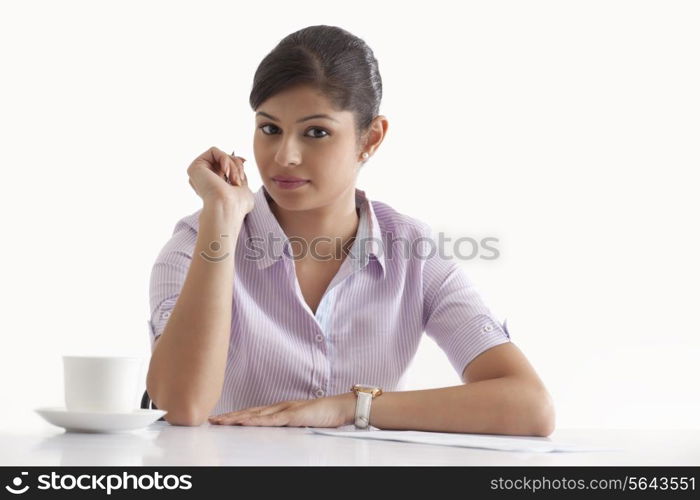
[{"x": 301, "y": 101}]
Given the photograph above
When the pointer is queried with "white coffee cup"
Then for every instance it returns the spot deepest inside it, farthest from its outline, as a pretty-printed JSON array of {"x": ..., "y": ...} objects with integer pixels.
[{"x": 101, "y": 383}]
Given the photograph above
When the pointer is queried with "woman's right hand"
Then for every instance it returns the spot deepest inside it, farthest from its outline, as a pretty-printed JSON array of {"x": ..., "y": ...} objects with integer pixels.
[{"x": 208, "y": 174}]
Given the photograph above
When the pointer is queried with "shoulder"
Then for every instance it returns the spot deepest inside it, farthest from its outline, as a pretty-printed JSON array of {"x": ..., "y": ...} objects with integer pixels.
[
  {"x": 407, "y": 237},
  {"x": 188, "y": 223},
  {"x": 183, "y": 238},
  {"x": 398, "y": 223}
]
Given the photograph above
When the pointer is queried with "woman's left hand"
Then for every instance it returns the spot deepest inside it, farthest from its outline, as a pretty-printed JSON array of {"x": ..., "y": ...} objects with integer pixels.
[{"x": 331, "y": 411}]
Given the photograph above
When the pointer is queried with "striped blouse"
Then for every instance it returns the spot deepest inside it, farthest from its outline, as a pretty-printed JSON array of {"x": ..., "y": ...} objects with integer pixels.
[{"x": 388, "y": 291}]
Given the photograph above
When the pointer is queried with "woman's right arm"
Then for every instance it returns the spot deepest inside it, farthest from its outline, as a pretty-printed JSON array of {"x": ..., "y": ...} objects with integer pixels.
[{"x": 188, "y": 363}]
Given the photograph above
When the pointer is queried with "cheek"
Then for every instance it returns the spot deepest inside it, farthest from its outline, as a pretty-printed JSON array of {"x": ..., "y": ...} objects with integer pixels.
[
  {"x": 334, "y": 179},
  {"x": 264, "y": 155}
]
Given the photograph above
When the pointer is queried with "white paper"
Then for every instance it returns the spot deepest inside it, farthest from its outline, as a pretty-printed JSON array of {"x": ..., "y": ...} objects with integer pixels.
[{"x": 484, "y": 441}]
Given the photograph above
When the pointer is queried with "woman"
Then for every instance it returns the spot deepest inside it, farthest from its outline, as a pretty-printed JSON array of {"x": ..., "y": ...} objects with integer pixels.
[{"x": 268, "y": 307}]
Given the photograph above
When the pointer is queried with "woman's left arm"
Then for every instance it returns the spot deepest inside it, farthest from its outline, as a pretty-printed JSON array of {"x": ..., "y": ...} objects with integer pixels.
[{"x": 502, "y": 394}]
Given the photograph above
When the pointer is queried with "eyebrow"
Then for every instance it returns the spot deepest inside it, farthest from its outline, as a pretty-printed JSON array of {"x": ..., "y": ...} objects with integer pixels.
[{"x": 310, "y": 117}]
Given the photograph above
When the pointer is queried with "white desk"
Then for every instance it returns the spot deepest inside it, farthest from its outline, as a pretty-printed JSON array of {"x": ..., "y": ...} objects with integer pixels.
[{"x": 163, "y": 444}]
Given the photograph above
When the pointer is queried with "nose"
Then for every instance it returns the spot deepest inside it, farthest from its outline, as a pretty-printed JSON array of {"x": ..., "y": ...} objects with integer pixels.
[{"x": 288, "y": 153}]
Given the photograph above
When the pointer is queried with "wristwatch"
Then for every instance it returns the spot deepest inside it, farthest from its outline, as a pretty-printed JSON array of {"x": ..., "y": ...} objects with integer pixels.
[{"x": 365, "y": 394}]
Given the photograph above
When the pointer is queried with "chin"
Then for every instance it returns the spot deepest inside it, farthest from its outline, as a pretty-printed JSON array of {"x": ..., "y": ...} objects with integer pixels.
[{"x": 290, "y": 199}]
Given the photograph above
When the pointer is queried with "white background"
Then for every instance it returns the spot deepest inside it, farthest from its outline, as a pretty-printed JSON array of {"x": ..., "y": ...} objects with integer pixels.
[{"x": 568, "y": 130}]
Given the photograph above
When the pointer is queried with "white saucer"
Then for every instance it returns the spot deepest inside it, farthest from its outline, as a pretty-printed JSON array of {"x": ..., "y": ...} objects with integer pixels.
[{"x": 93, "y": 421}]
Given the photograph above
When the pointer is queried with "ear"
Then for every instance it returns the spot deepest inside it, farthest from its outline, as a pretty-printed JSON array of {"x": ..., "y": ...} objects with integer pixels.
[{"x": 374, "y": 135}]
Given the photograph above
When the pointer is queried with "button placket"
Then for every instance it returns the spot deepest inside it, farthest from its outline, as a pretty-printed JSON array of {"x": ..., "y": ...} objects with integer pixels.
[{"x": 323, "y": 320}]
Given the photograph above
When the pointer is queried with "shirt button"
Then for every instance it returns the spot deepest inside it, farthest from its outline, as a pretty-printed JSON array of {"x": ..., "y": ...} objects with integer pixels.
[
  {"x": 320, "y": 392},
  {"x": 165, "y": 315},
  {"x": 319, "y": 338},
  {"x": 488, "y": 328}
]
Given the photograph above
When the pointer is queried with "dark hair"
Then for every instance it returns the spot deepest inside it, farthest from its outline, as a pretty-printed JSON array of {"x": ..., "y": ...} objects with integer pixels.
[{"x": 327, "y": 58}]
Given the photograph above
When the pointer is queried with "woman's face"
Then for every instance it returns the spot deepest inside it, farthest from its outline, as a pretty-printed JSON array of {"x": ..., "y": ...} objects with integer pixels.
[{"x": 322, "y": 150}]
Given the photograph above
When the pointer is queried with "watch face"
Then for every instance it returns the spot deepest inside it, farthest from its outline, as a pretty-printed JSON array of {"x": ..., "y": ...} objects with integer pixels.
[{"x": 375, "y": 391}]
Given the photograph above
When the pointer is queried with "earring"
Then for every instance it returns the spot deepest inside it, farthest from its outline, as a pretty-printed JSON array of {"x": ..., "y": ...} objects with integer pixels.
[{"x": 365, "y": 155}]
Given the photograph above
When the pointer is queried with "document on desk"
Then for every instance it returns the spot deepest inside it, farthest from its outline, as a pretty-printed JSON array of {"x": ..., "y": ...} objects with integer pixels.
[{"x": 484, "y": 441}]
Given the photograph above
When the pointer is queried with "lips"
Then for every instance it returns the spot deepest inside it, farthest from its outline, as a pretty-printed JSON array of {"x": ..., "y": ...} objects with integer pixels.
[
  {"x": 288, "y": 178},
  {"x": 283, "y": 182}
]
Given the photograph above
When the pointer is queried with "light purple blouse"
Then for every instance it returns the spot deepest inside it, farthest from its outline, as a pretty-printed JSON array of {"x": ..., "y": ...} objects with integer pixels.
[{"x": 367, "y": 326}]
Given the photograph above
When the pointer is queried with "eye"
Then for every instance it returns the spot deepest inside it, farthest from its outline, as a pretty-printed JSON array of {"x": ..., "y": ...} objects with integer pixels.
[
  {"x": 320, "y": 130},
  {"x": 262, "y": 127}
]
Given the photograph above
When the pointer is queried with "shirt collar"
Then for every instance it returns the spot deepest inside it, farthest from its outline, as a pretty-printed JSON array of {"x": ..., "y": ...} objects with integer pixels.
[{"x": 270, "y": 243}]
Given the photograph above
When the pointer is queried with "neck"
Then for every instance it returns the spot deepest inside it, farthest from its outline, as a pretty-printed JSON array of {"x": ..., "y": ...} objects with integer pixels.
[{"x": 337, "y": 222}]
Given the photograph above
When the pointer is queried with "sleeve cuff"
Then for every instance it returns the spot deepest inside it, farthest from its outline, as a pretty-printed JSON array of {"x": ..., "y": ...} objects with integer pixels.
[
  {"x": 159, "y": 318},
  {"x": 480, "y": 334}
]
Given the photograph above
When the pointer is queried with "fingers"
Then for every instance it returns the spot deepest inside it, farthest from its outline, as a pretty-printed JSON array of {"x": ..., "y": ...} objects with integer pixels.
[
  {"x": 237, "y": 173},
  {"x": 279, "y": 419},
  {"x": 273, "y": 409},
  {"x": 215, "y": 156},
  {"x": 228, "y": 167},
  {"x": 248, "y": 413},
  {"x": 243, "y": 178},
  {"x": 242, "y": 174},
  {"x": 233, "y": 415},
  {"x": 231, "y": 169},
  {"x": 218, "y": 160},
  {"x": 239, "y": 170}
]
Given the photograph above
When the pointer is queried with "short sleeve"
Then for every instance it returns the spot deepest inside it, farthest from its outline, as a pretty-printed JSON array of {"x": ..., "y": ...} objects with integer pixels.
[
  {"x": 454, "y": 314},
  {"x": 168, "y": 275}
]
